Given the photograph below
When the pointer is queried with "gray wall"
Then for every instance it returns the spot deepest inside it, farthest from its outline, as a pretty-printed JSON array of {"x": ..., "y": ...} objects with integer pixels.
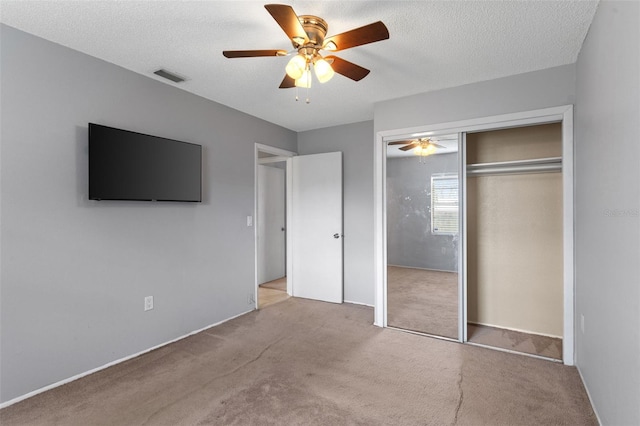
[
  {"x": 355, "y": 143},
  {"x": 522, "y": 92},
  {"x": 607, "y": 160},
  {"x": 74, "y": 271},
  {"x": 410, "y": 241}
]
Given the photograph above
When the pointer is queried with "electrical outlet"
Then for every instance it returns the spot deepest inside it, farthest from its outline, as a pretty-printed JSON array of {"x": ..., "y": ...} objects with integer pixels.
[
  {"x": 582, "y": 323},
  {"x": 249, "y": 220},
  {"x": 148, "y": 303}
]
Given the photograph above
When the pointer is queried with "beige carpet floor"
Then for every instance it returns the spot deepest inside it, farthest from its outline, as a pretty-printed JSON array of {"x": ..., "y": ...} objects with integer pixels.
[
  {"x": 302, "y": 362},
  {"x": 423, "y": 300},
  {"x": 550, "y": 347}
]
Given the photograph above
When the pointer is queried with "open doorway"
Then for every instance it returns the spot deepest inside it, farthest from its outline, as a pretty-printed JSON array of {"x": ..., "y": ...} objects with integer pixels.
[
  {"x": 312, "y": 229},
  {"x": 271, "y": 219}
]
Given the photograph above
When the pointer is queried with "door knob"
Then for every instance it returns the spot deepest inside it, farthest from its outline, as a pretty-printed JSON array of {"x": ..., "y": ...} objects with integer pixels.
[{"x": 336, "y": 235}]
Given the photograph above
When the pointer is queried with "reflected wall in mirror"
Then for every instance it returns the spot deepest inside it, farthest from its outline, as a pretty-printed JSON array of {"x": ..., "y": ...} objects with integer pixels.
[{"x": 422, "y": 237}]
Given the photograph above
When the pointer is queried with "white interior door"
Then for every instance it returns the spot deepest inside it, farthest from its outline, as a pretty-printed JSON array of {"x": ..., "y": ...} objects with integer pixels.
[
  {"x": 316, "y": 227},
  {"x": 271, "y": 223}
]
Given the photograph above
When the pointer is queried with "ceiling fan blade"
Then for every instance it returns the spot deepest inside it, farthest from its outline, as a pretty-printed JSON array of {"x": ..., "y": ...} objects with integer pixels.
[
  {"x": 346, "y": 68},
  {"x": 410, "y": 146},
  {"x": 287, "y": 82},
  {"x": 359, "y": 36},
  {"x": 436, "y": 145},
  {"x": 400, "y": 142},
  {"x": 252, "y": 53},
  {"x": 288, "y": 21}
]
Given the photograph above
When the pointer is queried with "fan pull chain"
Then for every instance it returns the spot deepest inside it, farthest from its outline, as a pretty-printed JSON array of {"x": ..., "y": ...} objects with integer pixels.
[
  {"x": 307, "y": 74},
  {"x": 308, "y": 82}
]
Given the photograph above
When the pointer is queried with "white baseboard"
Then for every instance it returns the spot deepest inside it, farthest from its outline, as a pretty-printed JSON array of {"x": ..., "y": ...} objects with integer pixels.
[
  {"x": 112, "y": 363},
  {"x": 584, "y": 385},
  {"x": 515, "y": 329},
  {"x": 358, "y": 303}
]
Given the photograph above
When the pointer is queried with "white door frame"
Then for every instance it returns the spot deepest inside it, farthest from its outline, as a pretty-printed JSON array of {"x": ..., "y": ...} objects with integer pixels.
[
  {"x": 562, "y": 114},
  {"x": 281, "y": 155}
]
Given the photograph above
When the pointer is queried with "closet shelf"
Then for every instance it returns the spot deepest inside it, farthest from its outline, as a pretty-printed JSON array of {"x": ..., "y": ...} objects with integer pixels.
[{"x": 536, "y": 165}]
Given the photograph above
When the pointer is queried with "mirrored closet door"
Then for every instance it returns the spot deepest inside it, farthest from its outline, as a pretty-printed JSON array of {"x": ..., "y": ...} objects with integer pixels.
[{"x": 422, "y": 177}]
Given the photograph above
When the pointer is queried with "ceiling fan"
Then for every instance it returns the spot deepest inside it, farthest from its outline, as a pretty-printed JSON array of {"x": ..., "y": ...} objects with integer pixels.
[{"x": 307, "y": 35}]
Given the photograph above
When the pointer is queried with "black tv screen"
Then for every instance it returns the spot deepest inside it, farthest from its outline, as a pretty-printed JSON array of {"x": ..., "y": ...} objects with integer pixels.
[{"x": 125, "y": 165}]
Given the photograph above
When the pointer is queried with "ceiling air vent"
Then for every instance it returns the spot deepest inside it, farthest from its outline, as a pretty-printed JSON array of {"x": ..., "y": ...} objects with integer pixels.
[{"x": 169, "y": 75}]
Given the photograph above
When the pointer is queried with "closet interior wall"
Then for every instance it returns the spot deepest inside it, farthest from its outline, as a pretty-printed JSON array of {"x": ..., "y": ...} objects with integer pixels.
[{"x": 514, "y": 230}]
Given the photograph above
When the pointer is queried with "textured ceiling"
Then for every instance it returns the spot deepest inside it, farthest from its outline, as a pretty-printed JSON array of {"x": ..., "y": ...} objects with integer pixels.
[{"x": 432, "y": 45}]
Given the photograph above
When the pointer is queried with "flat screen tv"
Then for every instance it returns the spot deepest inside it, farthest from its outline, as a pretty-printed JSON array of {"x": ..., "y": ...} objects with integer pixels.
[{"x": 125, "y": 165}]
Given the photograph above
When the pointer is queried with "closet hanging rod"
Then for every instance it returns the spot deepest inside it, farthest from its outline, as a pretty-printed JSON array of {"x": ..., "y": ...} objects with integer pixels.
[
  {"x": 537, "y": 165},
  {"x": 536, "y": 168},
  {"x": 532, "y": 161}
]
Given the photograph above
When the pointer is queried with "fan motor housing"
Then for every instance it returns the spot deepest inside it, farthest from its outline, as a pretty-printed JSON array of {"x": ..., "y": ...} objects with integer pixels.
[{"x": 316, "y": 29}]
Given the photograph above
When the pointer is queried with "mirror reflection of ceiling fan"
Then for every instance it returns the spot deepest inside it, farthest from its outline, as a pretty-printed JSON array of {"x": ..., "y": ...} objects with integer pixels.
[
  {"x": 423, "y": 146},
  {"x": 307, "y": 35}
]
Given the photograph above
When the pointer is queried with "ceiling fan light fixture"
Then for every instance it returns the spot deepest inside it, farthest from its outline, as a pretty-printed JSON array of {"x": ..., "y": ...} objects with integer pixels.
[
  {"x": 323, "y": 70},
  {"x": 296, "y": 67}
]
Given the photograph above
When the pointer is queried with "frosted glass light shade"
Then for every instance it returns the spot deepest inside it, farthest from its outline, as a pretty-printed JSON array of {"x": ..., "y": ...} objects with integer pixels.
[
  {"x": 296, "y": 67},
  {"x": 430, "y": 149},
  {"x": 323, "y": 70},
  {"x": 425, "y": 150},
  {"x": 304, "y": 80}
]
